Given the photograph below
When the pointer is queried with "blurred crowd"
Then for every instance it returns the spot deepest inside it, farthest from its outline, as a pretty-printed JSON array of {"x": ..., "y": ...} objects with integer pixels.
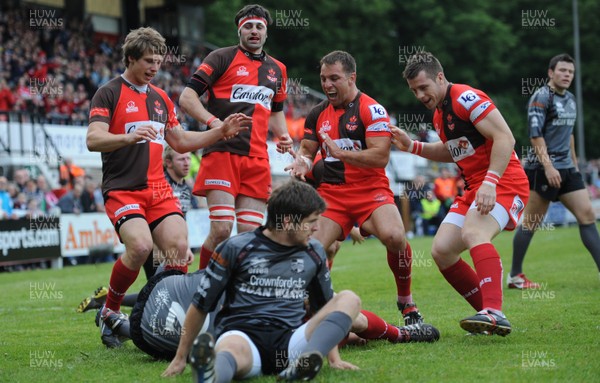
[{"x": 57, "y": 71}]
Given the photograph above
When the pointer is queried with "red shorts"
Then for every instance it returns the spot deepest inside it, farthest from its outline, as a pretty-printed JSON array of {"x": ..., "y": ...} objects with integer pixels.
[
  {"x": 512, "y": 195},
  {"x": 348, "y": 204},
  {"x": 234, "y": 174},
  {"x": 152, "y": 204}
]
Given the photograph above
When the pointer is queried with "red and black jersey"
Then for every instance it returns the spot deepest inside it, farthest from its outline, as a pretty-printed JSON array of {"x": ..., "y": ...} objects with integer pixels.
[
  {"x": 462, "y": 108},
  {"x": 240, "y": 82},
  {"x": 348, "y": 128},
  {"x": 124, "y": 109}
]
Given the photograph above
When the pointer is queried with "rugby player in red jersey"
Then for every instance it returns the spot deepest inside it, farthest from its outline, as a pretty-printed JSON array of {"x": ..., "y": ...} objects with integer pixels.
[
  {"x": 130, "y": 121},
  {"x": 475, "y": 136},
  {"x": 235, "y": 176},
  {"x": 351, "y": 131}
]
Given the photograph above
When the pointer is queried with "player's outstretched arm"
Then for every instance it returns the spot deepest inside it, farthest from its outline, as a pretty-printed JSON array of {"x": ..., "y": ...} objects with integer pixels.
[
  {"x": 194, "y": 319},
  {"x": 190, "y": 103},
  {"x": 185, "y": 141},
  {"x": 436, "y": 151},
  {"x": 303, "y": 159}
]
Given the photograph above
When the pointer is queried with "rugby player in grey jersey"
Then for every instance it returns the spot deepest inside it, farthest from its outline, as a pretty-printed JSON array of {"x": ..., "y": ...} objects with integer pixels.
[
  {"x": 552, "y": 169},
  {"x": 266, "y": 276}
]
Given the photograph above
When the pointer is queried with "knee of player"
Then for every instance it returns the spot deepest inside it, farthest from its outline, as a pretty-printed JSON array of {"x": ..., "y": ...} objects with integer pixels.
[
  {"x": 221, "y": 232},
  {"x": 394, "y": 239},
  {"x": 586, "y": 217},
  {"x": 140, "y": 247},
  {"x": 350, "y": 301},
  {"x": 472, "y": 236}
]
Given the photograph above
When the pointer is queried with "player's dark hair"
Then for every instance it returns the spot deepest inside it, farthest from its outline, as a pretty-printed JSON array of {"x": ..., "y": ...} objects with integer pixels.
[
  {"x": 344, "y": 58},
  {"x": 422, "y": 61},
  {"x": 253, "y": 10},
  {"x": 295, "y": 200},
  {"x": 140, "y": 41},
  {"x": 565, "y": 57}
]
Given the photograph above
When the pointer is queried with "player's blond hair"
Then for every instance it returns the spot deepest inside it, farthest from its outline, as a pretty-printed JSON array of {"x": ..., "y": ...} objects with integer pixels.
[{"x": 141, "y": 41}]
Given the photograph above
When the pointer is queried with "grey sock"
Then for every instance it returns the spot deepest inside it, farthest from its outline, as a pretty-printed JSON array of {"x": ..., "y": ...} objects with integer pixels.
[
  {"x": 329, "y": 332},
  {"x": 591, "y": 241},
  {"x": 520, "y": 244},
  {"x": 225, "y": 367}
]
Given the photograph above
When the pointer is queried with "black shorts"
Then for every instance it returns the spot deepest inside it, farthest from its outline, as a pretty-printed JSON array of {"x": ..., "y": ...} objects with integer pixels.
[
  {"x": 571, "y": 181},
  {"x": 271, "y": 342},
  {"x": 135, "y": 319}
]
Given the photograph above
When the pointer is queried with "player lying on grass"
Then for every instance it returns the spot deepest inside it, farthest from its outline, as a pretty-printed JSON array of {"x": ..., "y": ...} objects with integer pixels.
[{"x": 159, "y": 312}]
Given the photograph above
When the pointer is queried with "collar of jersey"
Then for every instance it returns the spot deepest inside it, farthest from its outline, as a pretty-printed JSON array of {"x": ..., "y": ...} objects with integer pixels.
[{"x": 260, "y": 57}]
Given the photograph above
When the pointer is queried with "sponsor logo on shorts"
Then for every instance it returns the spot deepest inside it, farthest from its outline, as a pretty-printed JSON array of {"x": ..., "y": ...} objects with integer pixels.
[
  {"x": 133, "y": 206},
  {"x": 379, "y": 197},
  {"x": 217, "y": 183},
  {"x": 467, "y": 99},
  {"x": 517, "y": 207}
]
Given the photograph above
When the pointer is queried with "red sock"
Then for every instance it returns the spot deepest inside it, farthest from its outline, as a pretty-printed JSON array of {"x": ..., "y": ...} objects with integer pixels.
[
  {"x": 205, "y": 255},
  {"x": 120, "y": 280},
  {"x": 489, "y": 270},
  {"x": 464, "y": 280},
  {"x": 378, "y": 328},
  {"x": 401, "y": 265}
]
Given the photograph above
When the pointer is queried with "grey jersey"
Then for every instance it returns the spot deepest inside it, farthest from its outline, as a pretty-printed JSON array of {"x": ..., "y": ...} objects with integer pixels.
[
  {"x": 551, "y": 116},
  {"x": 165, "y": 308},
  {"x": 265, "y": 283}
]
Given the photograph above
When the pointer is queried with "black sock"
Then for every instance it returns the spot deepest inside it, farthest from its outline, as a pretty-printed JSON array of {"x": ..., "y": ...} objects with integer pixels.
[
  {"x": 149, "y": 266},
  {"x": 591, "y": 241},
  {"x": 329, "y": 332},
  {"x": 129, "y": 300},
  {"x": 520, "y": 244},
  {"x": 225, "y": 367}
]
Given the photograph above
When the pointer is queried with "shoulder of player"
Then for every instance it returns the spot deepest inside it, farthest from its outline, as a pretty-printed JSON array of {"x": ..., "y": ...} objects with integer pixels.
[
  {"x": 225, "y": 51},
  {"x": 158, "y": 90},
  {"x": 318, "y": 109},
  {"x": 112, "y": 86},
  {"x": 466, "y": 96},
  {"x": 540, "y": 97},
  {"x": 276, "y": 62},
  {"x": 370, "y": 109}
]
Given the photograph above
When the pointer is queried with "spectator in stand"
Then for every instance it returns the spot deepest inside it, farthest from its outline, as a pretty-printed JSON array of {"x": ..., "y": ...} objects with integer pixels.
[
  {"x": 21, "y": 176},
  {"x": 19, "y": 206},
  {"x": 6, "y": 203},
  {"x": 50, "y": 200},
  {"x": 431, "y": 214},
  {"x": 33, "y": 209},
  {"x": 88, "y": 197},
  {"x": 445, "y": 189},
  {"x": 32, "y": 192},
  {"x": 7, "y": 99},
  {"x": 69, "y": 172},
  {"x": 71, "y": 202}
]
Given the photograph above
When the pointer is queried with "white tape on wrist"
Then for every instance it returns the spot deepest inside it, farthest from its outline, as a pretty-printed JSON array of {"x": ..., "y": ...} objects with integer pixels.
[{"x": 308, "y": 162}]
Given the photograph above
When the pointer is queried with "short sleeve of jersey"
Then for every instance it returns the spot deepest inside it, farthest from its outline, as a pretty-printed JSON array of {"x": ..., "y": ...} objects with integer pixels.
[
  {"x": 211, "y": 69},
  {"x": 101, "y": 106},
  {"x": 470, "y": 104},
  {"x": 216, "y": 277},
  {"x": 536, "y": 113},
  {"x": 375, "y": 119},
  {"x": 310, "y": 124}
]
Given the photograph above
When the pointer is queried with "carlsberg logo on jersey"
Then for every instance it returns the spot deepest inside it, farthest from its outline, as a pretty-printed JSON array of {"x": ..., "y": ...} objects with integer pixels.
[{"x": 252, "y": 94}]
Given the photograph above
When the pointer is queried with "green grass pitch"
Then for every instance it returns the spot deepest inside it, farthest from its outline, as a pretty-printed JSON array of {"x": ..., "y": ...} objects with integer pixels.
[{"x": 556, "y": 330}]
